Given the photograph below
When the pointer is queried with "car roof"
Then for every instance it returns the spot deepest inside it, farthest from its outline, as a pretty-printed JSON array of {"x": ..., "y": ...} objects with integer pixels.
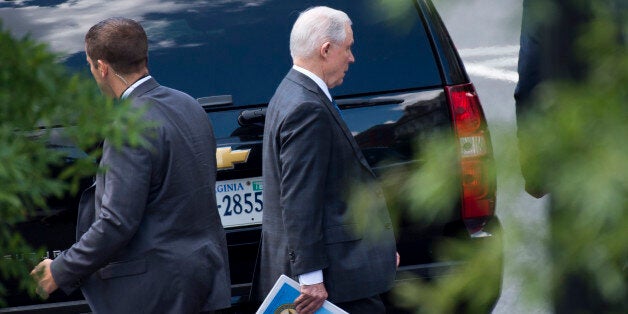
[{"x": 240, "y": 48}]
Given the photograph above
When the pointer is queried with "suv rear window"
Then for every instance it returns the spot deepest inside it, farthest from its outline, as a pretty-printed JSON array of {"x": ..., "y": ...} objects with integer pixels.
[{"x": 241, "y": 47}]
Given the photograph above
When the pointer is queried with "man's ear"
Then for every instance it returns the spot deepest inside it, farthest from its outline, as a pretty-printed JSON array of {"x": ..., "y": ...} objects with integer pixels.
[
  {"x": 103, "y": 68},
  {"x": 325, "y": 49}
]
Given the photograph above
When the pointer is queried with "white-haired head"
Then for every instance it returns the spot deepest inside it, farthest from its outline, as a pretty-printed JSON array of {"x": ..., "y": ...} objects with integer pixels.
[{"x": 314, "y": 27}]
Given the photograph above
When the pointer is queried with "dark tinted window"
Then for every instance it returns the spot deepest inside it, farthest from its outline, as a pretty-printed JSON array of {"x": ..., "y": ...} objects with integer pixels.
[{"x": 239, "y": 47}]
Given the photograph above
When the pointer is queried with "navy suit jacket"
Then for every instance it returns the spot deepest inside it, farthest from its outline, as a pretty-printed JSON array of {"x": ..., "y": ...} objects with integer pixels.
[
  {"x": 311, "y": 165},
  {"x": 149, "y": 238},
  {"x": 548, "y": 52}
]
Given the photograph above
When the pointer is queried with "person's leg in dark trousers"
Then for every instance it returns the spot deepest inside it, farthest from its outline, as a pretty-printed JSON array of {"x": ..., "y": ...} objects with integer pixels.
[{"x": 372, "y": 305}]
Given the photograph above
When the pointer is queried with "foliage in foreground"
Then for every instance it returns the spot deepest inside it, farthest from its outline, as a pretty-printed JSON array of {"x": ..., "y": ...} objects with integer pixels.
[
  {"x": 578, "y": 131},
  {"x": 37, "y": 98}
]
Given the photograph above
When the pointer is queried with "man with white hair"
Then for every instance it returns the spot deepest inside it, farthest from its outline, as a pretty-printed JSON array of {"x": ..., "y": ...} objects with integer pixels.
[{"x": 310, "y": 163}]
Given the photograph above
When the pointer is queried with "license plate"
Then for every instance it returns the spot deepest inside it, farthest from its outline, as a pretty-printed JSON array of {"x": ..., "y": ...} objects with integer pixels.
[{"x": 240, "y": 202}]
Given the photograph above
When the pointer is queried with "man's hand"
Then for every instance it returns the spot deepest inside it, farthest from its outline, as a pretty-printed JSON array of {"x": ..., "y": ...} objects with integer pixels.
[
  {"x": 45, "y": 283},
  {"x": 398, "y": 259},
  {"x": 311, "y": 298}
]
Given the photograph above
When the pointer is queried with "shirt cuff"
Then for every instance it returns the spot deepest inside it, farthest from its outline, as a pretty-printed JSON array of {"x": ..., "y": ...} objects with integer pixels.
[{"x": 311, "y": 278}]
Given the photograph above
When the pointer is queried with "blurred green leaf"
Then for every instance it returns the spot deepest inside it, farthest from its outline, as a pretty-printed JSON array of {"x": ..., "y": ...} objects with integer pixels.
[
  {"x": 580, "y": 157},
  {"x": 40, "y": 102}
]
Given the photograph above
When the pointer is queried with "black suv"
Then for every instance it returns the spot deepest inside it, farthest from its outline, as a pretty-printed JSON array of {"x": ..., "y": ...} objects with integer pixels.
[{"x": 407, "y": 83}]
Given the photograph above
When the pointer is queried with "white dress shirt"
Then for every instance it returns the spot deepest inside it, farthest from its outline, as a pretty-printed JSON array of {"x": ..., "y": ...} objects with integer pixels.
[
  {"x": 316, "y": 80},
  {"x": 133, "y": 86}
]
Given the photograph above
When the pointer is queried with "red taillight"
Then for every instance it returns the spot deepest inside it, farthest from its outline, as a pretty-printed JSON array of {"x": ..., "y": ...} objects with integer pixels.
[
  {"x": 476, "y": 157},
  {"x": 474, "y": 181},
  {"x": 465, "y": 108}
]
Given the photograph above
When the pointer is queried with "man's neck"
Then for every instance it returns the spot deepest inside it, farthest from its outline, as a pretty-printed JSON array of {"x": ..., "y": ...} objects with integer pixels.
[
  {"x": 126, "y": 80},
  {"x": 319, "y": 81},
  {"x": 312, "y": 67}
]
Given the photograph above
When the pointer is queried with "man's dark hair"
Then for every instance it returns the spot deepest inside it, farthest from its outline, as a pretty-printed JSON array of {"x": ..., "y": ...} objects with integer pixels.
[{"x": 121, "y": 42}]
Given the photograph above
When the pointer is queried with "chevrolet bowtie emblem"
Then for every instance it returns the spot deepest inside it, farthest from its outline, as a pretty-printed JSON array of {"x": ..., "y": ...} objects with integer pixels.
[{"x": 227, "y": 158}]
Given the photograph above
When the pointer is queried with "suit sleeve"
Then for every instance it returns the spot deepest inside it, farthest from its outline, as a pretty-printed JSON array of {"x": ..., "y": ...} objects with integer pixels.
[
  {"x": 529, "y": 66},
  {"x": 530, "y": 76},
  {"x": 305, "y": 139},
  {"x": 124, "y": 196}
]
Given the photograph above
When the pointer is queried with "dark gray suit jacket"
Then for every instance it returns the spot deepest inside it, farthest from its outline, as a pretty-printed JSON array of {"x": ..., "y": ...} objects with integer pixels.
[
  {"x": 149, "y": 238},
  {"x": 311, "y": 163}
]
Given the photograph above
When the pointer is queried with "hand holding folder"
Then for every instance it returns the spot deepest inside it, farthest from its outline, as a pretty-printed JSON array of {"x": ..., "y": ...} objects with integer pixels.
[{"x": 281, "y": 298}]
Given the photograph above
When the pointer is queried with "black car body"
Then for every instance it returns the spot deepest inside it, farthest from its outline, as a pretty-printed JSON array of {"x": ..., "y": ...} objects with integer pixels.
[{"x": 407, "y": 83}]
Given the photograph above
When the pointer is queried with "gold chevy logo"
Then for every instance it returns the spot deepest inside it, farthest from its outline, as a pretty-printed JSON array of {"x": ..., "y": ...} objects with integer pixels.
[{"x": 227, "y": 158}]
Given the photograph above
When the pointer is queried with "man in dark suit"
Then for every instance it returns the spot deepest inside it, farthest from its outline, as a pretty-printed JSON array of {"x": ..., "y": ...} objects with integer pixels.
[
  {"x": 551, "y": 58},
  {"x": 149, "y": 238},
  {"x": 311, "y": 162},
  {"x": 550, "y": 30}
]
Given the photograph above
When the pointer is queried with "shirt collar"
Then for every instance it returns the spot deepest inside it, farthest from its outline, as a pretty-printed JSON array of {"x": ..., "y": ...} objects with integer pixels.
[
  {"x": 316, "y": 80},
  {"x": 133, "y": 86}
]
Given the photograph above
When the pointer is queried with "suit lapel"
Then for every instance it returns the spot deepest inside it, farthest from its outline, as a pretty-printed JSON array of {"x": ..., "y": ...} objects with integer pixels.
[
  {"x": 343, "y": 125},
  {"x": 310, "y": 85}
]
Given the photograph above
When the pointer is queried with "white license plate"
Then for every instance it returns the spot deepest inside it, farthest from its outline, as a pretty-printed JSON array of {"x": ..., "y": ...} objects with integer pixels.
[{"x": 240, "y": 201}]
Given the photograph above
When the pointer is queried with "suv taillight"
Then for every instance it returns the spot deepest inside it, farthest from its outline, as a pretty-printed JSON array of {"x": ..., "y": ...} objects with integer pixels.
[{"x": 476, "y": 158}]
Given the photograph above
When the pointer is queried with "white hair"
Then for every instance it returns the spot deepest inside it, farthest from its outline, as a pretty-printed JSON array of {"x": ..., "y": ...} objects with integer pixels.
[{"x": 314, "y": 27}]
